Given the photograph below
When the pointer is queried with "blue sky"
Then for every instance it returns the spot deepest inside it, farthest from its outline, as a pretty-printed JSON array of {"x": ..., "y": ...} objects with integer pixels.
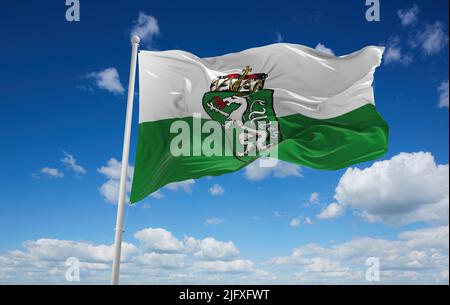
[{"x": 63, "y": 104}]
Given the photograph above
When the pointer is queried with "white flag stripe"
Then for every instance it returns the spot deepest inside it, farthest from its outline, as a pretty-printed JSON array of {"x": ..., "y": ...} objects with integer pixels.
[{"x": 317, "y": 85}]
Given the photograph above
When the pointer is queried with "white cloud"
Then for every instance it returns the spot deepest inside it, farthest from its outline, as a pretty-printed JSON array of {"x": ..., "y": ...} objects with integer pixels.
[
  {"x": 110, "y": 189},
  {"x": 49, "y": 172},
  {"x": 333, "y": 210},
  {"x": 278, "y": 214},
  {"x": 238, "y": 266},
  {"x": 443, "y": 276},
  {"x": 160, "y": 257},
  {"x": 322, "y": 48},
  {"x": 443, "y": 94},
  {"x": 295, "y": 222},
  {"x": 314, "y": 198},
  {"x": 279, "y": 37},
  {"x": 112, "y": 169},
  {"x": 71, "y": 163},
  {"x": 146, "y": 27},
  {"x": 162, "y": 260},
  {"x": 211, "y": 249},
  {"x": 214, "y": 221},
  {"x": 108, "y": 79},
  {"x": 158, "y": 240},
  {"x": 157, "y": 195},
  {"x": 308, "y": 221},
  {"x": 392, "y": 54},
  {"x": 427, "y": 238},
  {"x": 415, "y": 256},
  {"x": 259, "y": 276},
  {"x": 216, "y": 190},
  {"x": 432, "y": 39},
  {"x": 184, "y": 185},
  {"x": 408, "y": 188},
  {"x": 256, "y": 172},
  {"x": 409, "y": 16},
  {"x": 43, "y": 261},
  {"x": 55, "y": 249},
  {"x": 327, "y": 267},
  {"x": 395, "y": 54}
]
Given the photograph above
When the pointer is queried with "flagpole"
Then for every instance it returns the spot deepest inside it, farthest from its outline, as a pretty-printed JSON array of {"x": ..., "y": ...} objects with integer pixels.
[{"x": 123, "y": 174}]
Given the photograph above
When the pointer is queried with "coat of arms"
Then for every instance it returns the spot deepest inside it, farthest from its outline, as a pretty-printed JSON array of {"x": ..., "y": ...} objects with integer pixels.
[{"x": 245, "y": 110}]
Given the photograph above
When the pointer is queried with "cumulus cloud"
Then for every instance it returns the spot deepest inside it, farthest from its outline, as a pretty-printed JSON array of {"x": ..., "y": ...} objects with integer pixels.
[
  {"x": 327, "y": 267},
  {"x": 157, "y": 195},
  {"x": 427, "y": 238},
  {"x": 146, "y": 27},
  {"x": 308, "y": 221},
  {"x": 184, "y": 185},
  {"x": 108, "y": 79},
  {"x": 256, "y": 171},
  {"x": 333, "y": 210},
  {"x": 162, "y": 241},
  {"x": 43, "y": 261},
  {"x": 211, "y": 249},
  {"x": 322, "y": 48},
  {"x": 409, "y": 16},
  {"x": 314, "y": 198},
  {"x": 395, "y": 54},
  {"x": 112, "y": 169},
  {"x": 158, "y": 252},
  {"x": 55, "y": 249},
  {"x": 295, "y": 222},
  {"x": 71, "y": 163},
  {"x": 49, "y": 172},
  {"x": 432, "y": 39},
  {"x": 158, "y": 240},
  {"x": 68, "y": 161},
  {"x": 415, "y": 256},
  {"x": 443, "y": 95},
  {"x": 278, "y": 214},
  {"x": 410, "y": 187},
  {"x": 162, "y": 260},
  {"x": 236, "y": 266},
  {"x": 216, "y": 190},
  {"x": 110, "y": 189}
]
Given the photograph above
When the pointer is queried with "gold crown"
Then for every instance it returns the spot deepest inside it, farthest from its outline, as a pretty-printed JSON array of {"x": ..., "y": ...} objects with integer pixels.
[{"x": 244, "y": 82}]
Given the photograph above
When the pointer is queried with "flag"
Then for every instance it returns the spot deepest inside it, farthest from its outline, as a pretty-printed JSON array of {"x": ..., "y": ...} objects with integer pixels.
[{"x": 211, "y": 116}]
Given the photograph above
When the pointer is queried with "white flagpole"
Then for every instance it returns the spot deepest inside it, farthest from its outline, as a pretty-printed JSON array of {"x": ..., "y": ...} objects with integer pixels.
[{"x": 123, "y": 174}]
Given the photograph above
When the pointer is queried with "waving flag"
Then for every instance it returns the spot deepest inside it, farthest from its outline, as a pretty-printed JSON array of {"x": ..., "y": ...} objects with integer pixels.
[{"x": 315, "y": 109}]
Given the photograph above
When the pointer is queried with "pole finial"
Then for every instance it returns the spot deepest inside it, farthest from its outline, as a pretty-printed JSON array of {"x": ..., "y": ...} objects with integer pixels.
[{"x": 135, "y": 39}]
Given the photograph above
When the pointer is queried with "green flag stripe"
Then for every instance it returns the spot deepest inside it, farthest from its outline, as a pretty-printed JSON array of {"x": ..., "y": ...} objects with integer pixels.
[{"x": 358, "y": 136}]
